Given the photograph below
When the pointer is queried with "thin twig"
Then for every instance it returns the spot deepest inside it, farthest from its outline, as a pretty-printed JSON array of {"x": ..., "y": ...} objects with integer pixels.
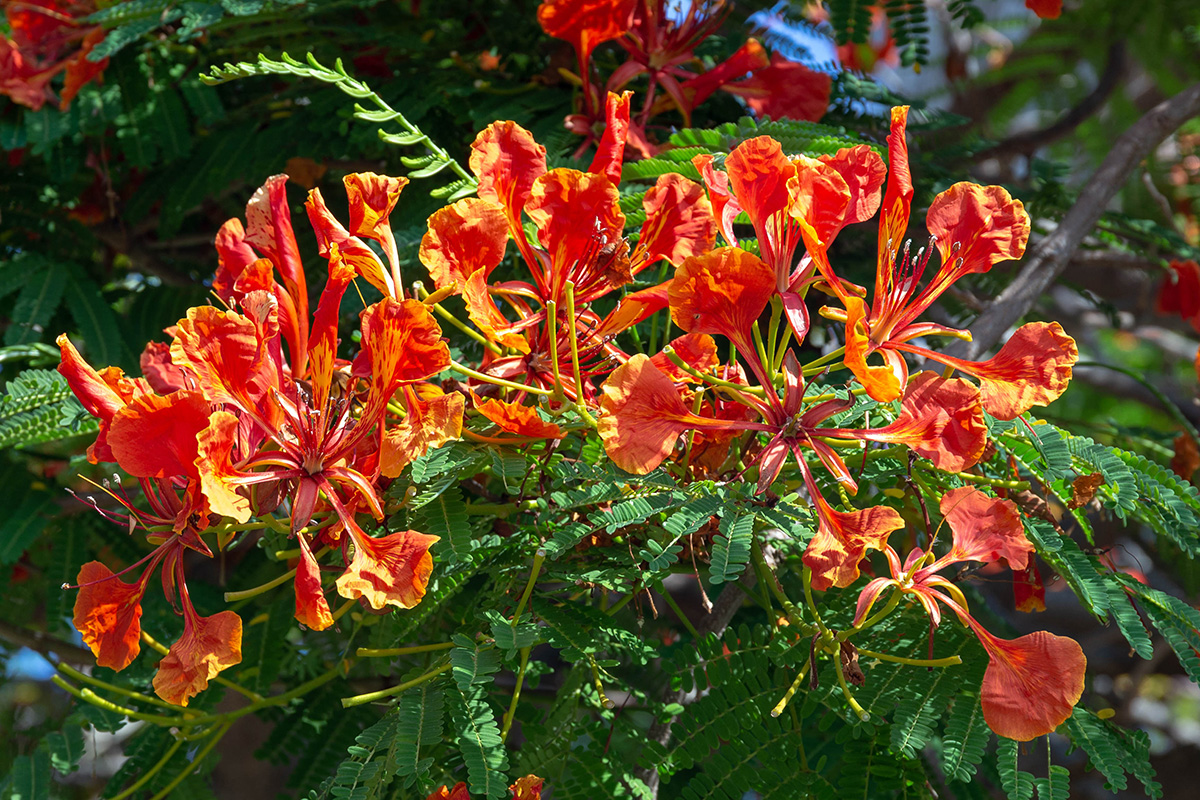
[{"x": 1051, "y": 255}]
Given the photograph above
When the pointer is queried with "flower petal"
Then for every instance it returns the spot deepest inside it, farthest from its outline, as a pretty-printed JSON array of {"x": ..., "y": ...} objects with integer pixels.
[
  {"x": 372, "y": 198},
  {"x": 101, "y": 394},
  {"x": 391, "y": 570},
  {"x": 976, "y": 227},
  {"x": 697, "y": 350},
  {"x": 785, "y": 89},
  {"x": 519, "y": 419},
  {"x": 610, "y": 152},
  {"x": 312, "y": 609},
  {"x": 843, "y": 539},
  {"x": 1032, "y": 683},
  {"x": 940, "y": 419},
  {"x": 576, "y": 214},
  {"x": 585, "y": 23},
  {"x": 897, "y": 200},
  {"x": 156, "y": 437},
  {"x": 1033, "y": 368},
  {"x": 507, "y": 161},
  {"x": 352, "y": 249},
  {"x": 527, "y": 788},
  {"x": 108, "y": 615},
  {"x": 883, "y": 382},
  {"x": 208, "y": 645},
  {"x": 722, "y": 291},
  {"x": 642, "y": 416},
  {"x": 233, "y": 359},
  {"x": 269, "y": 230},
  {"x": 985, "y": 528},
  {"x": 467, "y": 236},
  {"x": 431, "y": 422},
  {"x": 679, "y": 222},
  {"x": 401, "y": 342},
  {"x": 864, "y": 173}
]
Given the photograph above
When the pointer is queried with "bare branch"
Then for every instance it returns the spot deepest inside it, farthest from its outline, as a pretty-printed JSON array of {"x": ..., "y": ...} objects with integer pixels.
[
  {"x": 1025, "y": 143},
  {"x": 1051, "y": 255}
]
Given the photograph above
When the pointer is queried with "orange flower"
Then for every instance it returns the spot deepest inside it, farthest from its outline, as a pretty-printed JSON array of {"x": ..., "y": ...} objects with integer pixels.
[
  {"x": 972, "y": 228},
  {"x": 1032, "y": 682},
  {"x": 579, "y": 241},
  {"x": 843, "y": 538},
  {"x": 108, "y": 615},
  {"x": 48, "y": 37},
  {"x": 785, "y": 89},
  {"x": 391, "y": 570},
  {"x": 208, "y": 646},
  {"x": 434, "y": 418},
  {"x": 940, "y": 419}
]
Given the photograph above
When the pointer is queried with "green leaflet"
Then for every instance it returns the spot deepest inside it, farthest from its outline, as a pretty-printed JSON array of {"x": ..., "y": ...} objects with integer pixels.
[
  {"x": 1114, "y": 751},
  {"x": 731, "y": 549},
  {"x": 479, "y": 741},
  {"x": 421, "y": 715},
  {"x": 446, "y": 516},
  {"x": 36, "y": 303},
  {"x": 965, "y": 739},
  {"x": 1177, "y": 621},
  {"x": 1017, "y": 784}
]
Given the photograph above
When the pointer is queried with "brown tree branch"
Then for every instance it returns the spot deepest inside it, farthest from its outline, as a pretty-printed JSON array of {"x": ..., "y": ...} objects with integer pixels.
[
  {"x": 1051, "y": 255},
  {"x": 1025, "y": 143}
]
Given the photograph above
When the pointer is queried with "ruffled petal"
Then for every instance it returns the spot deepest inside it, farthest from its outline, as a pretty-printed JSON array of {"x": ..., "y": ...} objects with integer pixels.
[
  {"x": 642, "y": 416},
  {"x": 431, "y": 422},
  {"x": 758, "y": 175},
  {"x": 157, "y": 437},
  {"x": 401, "y": 343},
  {"x": 975, "y": 227},
  {"x": 507, "y": 161},
  {"x": 372, "y": 198},
  {"x": 843, "y": 539},
  {"x": 208, "y": 645},
  {"x": 233, "y": 359},
  {"x": 576, "y": 214},
  {"x": 519, "y": 419},
  {"x": 679, "y": 222},
  {"x": 940, "y": 419},
  {"x": 102, "y": 395},
  {"x": 353, "y": 250},
  {"x": 985, "y": 528},
  {"x": 467, "y": 236},
  {"x": 722, "y": 291},
  {"x": 269, "y": 230},
  {"x": 1032, "y": 683},
  {"x": 391, "y": 570},
  {"x": 108, "y": 615},
  {"x": 1033, "y": 368},
  {"x": 864, "y": 173}
]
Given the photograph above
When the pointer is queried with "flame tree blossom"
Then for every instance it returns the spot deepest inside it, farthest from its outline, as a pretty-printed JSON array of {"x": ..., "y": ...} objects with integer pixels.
[
  {"x": 579, "y": 254},
  {"x": 1033, "y": 682},
  {"x": 972, "y": 228}
]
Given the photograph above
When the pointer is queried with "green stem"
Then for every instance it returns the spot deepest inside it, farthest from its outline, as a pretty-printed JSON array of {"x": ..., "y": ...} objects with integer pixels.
[
  {"x": 806, "y": 576},
  {"x": 573, "y": 335},
  {"x": 854, "y": 705},
  {"x": 88, "y": 696},
  {"x": 246, "y": 594},
  {"x": 479, "y": 376},
  {"x": 795, "y": 687},
  {"x": 150, "y": 773},
  {"x": 371, "y": 697},
  {"x": 604, "y": 701},
  {"x": 538, "y": 559},
  {"x": 892, "y": 602},
  {"x": 948, "y": 661},
  {"x": 392, "y": 652},
  {"x": 678, "y": 611},
  {"x": 789, "y": 608},
  {"x": 71, "y": 672},
  {"x": 816, "y": 365},
  {"x": 195, "y": 762},
  {"x": 552, "y": 324},
  {"x": 512, "y": 706},
  {"x": 1018, "y": 486},
  {"x": 422, "y": 293}
]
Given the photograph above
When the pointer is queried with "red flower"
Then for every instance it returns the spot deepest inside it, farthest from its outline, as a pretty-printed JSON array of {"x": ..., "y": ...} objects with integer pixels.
[
  {"x": 48, "y": 38},
  {"x": 1046, "y": 9},
  {"x": 1180, "y": 293},
  {"x": 1033, "y": 682}
]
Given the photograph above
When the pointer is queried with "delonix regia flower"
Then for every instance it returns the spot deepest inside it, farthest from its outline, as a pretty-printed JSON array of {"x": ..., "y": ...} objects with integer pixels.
[{"x": 1033, "y": 682}]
